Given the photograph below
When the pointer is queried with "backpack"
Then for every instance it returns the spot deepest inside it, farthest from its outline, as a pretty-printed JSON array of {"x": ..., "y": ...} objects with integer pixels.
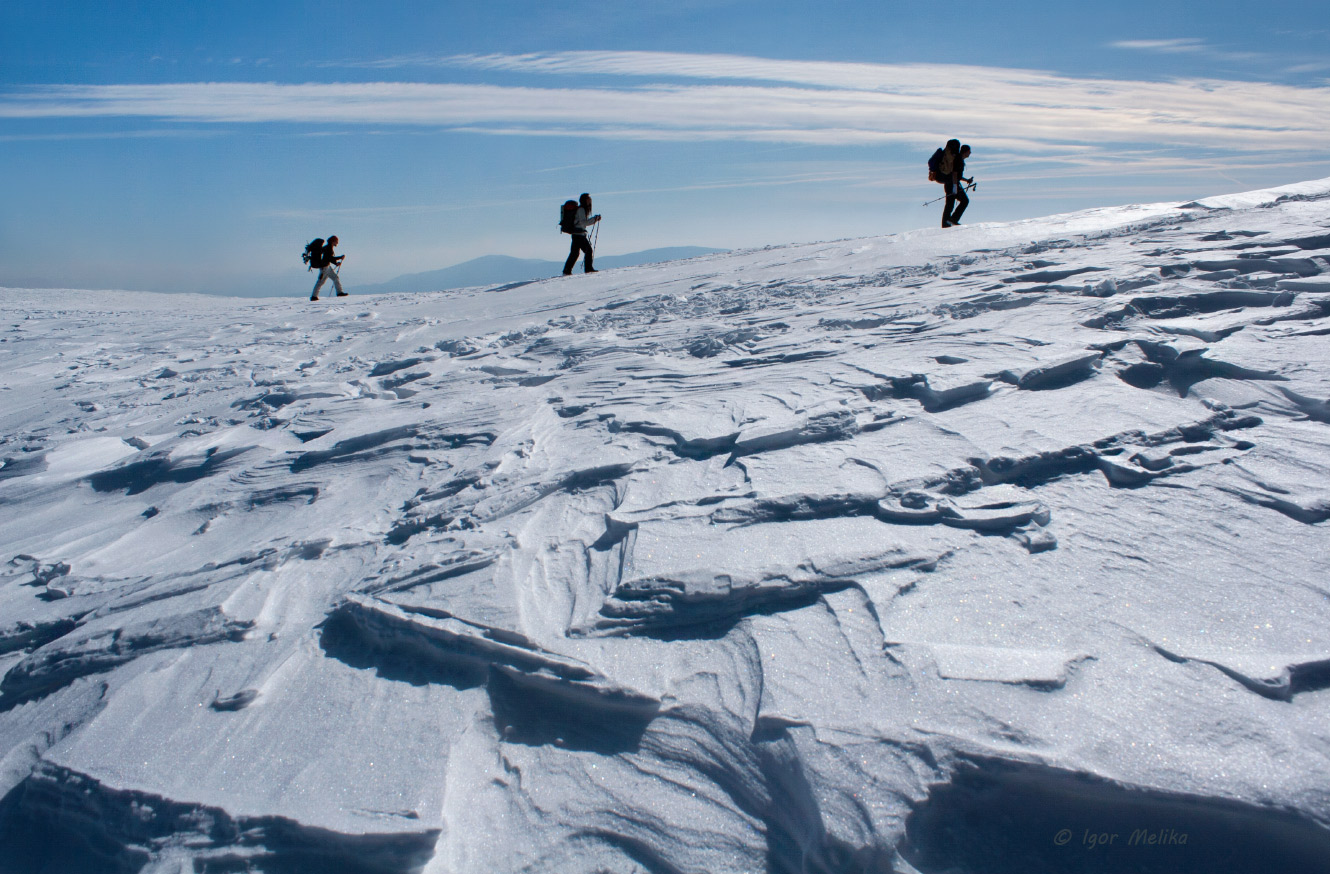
[
  {"x": 567, "y": 214},
  {"x": 314, "y": 254},
  {"x": 933, "y": 164}
]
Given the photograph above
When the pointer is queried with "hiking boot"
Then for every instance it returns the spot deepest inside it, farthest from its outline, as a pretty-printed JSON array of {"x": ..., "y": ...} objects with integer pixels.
[
  {"x": 590, "y": 270},
  {"x": 343, "y": 294},
  {"x": 314, "y": 298},
  {"x": 946, "y": 224}
]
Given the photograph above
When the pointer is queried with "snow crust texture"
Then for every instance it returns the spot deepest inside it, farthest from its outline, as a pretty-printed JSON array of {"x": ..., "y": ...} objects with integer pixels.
[{"x": 993, "y": 549}]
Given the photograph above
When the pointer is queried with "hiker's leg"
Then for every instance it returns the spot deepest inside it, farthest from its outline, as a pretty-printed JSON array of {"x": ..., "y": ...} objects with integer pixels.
[
  {"x": 572, "y": 255},
  {"x": 948, "y": 203},
  {"x": 962, "y": 201},
  {"x": 318, "y": 283},
  {"x": 336, "y": 281},
  {"x": 586, "y": 247}
]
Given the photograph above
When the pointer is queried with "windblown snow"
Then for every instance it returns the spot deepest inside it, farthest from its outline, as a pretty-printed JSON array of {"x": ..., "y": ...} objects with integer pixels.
[{"x": 993, "y": 549}]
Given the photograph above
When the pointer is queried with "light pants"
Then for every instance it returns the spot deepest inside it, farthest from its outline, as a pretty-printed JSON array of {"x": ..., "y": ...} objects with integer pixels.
[{"x": 326, "y": 273}]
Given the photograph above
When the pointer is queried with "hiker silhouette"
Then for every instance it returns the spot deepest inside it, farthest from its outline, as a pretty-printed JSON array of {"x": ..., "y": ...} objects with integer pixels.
[
  {"x": 328, "y": 262},
  {"x": 947, "y": 166},
  {"x": 580, "y": 219}
]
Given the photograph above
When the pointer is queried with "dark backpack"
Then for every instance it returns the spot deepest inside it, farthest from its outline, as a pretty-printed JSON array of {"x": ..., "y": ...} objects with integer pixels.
[
  {"x": 314, "y": 254},
  {"x": 933, "y": 164},
  {"x": 567, "y": 215}
]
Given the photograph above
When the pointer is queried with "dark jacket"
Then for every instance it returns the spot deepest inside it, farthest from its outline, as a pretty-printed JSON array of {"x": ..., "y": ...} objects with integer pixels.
[{"x": 326, "y": 256}]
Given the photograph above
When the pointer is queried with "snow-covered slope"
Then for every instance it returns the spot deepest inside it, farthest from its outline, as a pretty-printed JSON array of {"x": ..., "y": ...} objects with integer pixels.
[
  {"x": 994, "y": 549},
  {"x": 502, "y": 269}
]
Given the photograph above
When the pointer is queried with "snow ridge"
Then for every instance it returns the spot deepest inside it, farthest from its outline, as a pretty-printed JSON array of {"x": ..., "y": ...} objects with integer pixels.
[{"x": 905, "y": 554}]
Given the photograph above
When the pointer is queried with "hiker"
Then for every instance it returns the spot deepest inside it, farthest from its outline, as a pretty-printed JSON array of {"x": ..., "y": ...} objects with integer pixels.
[
  {"x": 328, "y": 262},
  {"x": 956, "y": 191},
  {"x": 947, "y": 167},
  {"x": 581, "y": 218}
]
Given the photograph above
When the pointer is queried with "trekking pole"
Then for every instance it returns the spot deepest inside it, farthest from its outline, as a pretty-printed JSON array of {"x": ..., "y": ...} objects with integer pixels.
[
  {"x": 595, "y": 237},
  {"x": 973, "y": 186}
]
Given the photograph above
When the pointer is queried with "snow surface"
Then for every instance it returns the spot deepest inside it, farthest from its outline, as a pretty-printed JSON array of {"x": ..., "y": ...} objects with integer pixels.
[{"x": 996, "y": 549}]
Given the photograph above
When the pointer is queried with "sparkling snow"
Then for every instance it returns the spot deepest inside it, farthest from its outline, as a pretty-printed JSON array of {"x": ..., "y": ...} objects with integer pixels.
[{"x": 999, "y": 548}]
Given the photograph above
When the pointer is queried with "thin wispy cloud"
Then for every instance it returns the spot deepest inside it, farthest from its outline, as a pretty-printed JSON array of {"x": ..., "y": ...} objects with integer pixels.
[
  {"x": 1186, "y": 46},
  {"x": 156, "y": 133},
  {"x": 1167, "y": 46},
  {"x": 727, "y": 97},
  {"x": 922, "y": 79}
]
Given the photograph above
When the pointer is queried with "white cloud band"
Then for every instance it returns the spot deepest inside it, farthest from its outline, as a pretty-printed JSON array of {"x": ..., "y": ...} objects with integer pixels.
[{"x": 748, "y": 99}]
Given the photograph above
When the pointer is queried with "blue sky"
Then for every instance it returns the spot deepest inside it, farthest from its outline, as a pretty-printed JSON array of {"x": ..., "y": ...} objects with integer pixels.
[{"x": 196, "y": 147}]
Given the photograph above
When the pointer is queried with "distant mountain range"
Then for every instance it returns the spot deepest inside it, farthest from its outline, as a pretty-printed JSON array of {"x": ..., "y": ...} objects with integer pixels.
[{"x": 500, "y": 269}]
